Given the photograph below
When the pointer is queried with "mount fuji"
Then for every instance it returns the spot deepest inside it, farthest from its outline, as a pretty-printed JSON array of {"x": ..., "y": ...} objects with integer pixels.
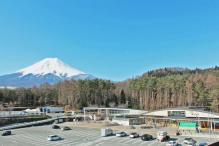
[{"x": 49, "y": 70}]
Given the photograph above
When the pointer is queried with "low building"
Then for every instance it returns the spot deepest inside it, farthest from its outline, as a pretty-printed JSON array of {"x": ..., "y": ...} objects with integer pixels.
[
  {"x": 33, "y": 111},
  {"x": 112, "y": 112},
  {"x": 116, "y": 115},
  {"x": 202, "y": 117},
  {"x": 51, "y": 109},
  {"x": 128, "y": 121}
]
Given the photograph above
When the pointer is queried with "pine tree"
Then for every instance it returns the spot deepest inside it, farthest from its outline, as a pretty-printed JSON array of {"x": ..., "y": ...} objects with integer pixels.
[{"x": 122, "y": 97}]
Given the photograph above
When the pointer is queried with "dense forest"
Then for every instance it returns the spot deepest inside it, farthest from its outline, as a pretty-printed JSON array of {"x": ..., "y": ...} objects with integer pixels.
[{"x": 162, "y": 88}]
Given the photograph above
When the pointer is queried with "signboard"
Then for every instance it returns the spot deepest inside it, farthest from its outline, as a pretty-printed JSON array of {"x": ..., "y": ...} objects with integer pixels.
[{"x": 187, "y": 124}]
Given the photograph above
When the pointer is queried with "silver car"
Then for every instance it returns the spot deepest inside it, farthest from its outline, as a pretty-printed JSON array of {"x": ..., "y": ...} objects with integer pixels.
[
  {"x": 172, "y": 143},
  {"x": 121, "y": 134},
  {"x": 54, "y": 138}
]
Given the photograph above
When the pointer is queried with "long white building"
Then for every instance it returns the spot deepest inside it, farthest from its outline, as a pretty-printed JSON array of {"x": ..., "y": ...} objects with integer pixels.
[
  {"x": 182, "y": 113},
  {"x": 203, "y": 118},
  {"x": 113, "y": 111}
]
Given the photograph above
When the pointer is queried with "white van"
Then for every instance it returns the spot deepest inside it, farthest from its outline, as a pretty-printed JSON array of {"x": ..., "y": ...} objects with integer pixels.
[{"x": 106, "y": 132}]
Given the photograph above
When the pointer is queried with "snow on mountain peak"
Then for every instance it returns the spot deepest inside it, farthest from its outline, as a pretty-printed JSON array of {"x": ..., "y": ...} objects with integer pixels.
[{"x": 51, "y": 66}]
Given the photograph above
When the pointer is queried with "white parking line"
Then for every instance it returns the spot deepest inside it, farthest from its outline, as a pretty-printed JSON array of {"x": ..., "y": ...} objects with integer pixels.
[
  {"x": 130, "y": 140},
  {"x": 153, "y": 143}
]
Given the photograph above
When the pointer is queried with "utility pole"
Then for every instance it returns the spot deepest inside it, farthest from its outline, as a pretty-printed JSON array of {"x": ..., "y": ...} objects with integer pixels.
[
  {"x": 208, "y": 126},
  {"x": 84, "y": 113},
  {"x": 211, "y": 123}
]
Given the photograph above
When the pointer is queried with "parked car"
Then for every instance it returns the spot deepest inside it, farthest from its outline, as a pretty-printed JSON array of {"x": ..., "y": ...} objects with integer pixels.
[
  {"x": 6, "y": 133},
  {"x": 189, "y": 141},
  {"x": 121, "y": 134},
  {"x": 134, "y": 135},
  {"x": 65, "y": 128},
  {"x": 165, "y": 138},
  {"x": 172, "y": 143},
  {"x": 54, "y": 138},
  {"x": 162, "y": 136},
  {"x": 55, "y": 127},
  {"x": 203, "y": 144},
  {"x": 146, "y": 137}
]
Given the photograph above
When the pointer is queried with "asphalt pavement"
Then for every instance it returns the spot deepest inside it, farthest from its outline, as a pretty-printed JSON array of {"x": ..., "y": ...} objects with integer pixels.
[{"x": 37, "y": 136}]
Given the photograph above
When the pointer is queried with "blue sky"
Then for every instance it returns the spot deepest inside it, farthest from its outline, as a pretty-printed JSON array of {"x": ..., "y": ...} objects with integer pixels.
[{"x": 112, "y": 39}]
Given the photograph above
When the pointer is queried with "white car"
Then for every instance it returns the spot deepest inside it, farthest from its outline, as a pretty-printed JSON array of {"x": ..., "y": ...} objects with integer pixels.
[
  {"x": 187, "y": 140},
  {"x": 54, "y": 138},
  {"x": 134, "y": 135},
  {"x": 121, "y": 134},
  {"x": 172, "y": 143},
  {"x": 191, "y": 143}
]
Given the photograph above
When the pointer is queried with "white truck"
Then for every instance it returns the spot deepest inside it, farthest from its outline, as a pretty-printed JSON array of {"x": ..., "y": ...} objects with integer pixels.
[{"x": 106, "y": 132}]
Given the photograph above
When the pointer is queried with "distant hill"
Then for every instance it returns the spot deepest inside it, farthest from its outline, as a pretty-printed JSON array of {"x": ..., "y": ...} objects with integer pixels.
[{"x": 174, "y": 87}]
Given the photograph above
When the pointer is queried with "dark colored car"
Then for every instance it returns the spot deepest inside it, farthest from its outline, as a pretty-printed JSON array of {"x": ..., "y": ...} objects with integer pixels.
[
  {"x": 146, "y": 137},
  {"x": 166, "y": 138},
  {"x": 55, "y": 127},
  {"x": 203, "y": 144},
  {"x": 65, "y": 128},
  {"x": 6, "y": 133}
]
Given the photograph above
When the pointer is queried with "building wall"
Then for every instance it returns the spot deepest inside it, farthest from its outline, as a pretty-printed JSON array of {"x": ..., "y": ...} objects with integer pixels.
[
  {"x": 51, "y": 109},
  {"x": 194, "y": 114},
  {"x": 162, "y": 113},
  {"x": 136, "y": 121},
  {"x": 129, "y": 121},
  {"x": 124, "y": 122}
]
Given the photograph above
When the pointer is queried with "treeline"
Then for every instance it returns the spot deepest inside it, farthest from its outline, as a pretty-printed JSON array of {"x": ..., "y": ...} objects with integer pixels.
[
  {"x": 31, "y": 97},
  {"x": 83, "y": 93},
  {"x": 163, "y": 88},
  {"x": 76, "y": 94}
]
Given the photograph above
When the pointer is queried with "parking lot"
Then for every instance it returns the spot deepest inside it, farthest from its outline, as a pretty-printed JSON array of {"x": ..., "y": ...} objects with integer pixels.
[{"x": 35, "y": 136}]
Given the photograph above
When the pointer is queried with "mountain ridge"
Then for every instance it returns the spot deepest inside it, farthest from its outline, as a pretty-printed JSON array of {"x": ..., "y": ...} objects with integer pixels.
[{"x": 48, "y": 70}]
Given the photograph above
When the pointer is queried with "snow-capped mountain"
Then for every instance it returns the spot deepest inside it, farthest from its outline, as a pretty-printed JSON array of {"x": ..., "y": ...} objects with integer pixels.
[{"x": 49, "y": 70}]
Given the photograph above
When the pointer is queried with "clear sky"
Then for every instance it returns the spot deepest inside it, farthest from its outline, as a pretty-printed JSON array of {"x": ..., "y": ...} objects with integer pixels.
[{"x": 112, "y": 39}]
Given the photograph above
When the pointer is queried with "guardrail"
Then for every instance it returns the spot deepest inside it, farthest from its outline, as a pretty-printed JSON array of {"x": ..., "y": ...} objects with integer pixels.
[{"x": 20, "y": 125}]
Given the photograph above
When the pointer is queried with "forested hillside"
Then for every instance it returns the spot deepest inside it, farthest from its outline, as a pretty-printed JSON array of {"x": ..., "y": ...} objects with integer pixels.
[
  {"x": 162, "y": 88},
  {"x": 166, "y": 88}
]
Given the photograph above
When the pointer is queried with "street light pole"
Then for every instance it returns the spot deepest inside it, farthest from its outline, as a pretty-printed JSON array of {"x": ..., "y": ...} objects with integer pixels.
[{"x": 208, "y": 126}]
